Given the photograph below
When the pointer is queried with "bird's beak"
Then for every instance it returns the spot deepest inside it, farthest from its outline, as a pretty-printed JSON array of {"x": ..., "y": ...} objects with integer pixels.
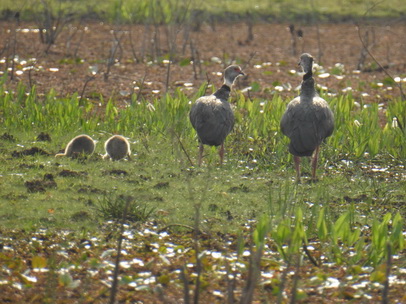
[{"x": 242, "y": 73}]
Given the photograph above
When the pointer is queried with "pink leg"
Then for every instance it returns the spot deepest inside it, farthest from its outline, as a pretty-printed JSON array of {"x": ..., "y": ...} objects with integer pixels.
[
  {"x": 297, "y": 167},
  {"x": 315, "y": 158},
  {"x": 221, "y": 153},
  {"x": 201, "y": 148}
]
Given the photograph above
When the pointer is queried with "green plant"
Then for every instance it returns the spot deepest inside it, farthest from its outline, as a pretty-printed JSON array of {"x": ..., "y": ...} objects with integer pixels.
[
  {"x": 111, "y": 207},
  {"x": 386, "y": 231}
]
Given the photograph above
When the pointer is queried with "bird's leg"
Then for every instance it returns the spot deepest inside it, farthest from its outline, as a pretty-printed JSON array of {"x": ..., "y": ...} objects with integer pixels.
[
  {"x": 315, "y": 158},
  {"x": 201, "y": 148},
  {"x": 297, "y": 167},
  {"x": 221, "y": 153}
]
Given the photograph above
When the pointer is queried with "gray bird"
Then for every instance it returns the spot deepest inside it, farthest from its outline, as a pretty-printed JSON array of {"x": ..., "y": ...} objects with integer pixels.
[
  {"x": 81, "y": 144},
  {"x": 117, "y": 147},
  {"x": 212, "y": 117},
  {"x": 308, "y": 120}
]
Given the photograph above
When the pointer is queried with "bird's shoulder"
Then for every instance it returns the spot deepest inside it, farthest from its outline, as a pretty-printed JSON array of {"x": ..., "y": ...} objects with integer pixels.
[
  {"x": 211, "y": 104},
  {"x": 320, "y": 102},
  {"x": 293, "y": 103},
  {"x": 210, "y": 108},
  {"x": 208, "y": 100},
  {"x": 321, "y": 107}
]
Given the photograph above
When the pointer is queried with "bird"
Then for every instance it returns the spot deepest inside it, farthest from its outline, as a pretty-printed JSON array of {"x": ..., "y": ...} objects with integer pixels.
[
  {"x": 81, "y": 144},
  {"x": 307, "y": 121},
  {"x": 117, "y": 147},
  {"x": 212, "y": 117}
]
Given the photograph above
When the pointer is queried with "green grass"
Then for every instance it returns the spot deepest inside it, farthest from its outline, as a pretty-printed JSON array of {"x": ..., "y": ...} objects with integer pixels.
[
  {"x": 257, "y": 176},
  {"x": 359, "y": 199},
  {"x": 172, "y": 11}
]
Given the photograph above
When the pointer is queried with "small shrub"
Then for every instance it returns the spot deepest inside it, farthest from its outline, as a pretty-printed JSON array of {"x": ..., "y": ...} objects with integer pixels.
[{"x": 113, "y": 207}]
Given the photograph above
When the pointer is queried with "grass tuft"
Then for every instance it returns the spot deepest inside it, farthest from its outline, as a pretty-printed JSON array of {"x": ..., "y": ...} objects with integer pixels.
[{"x": 111, "y": 207}]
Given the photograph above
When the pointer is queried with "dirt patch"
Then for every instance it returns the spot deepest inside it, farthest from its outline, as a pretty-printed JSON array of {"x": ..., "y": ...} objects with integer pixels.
[
  {"x": 77, "y": 62},
  {"x": 69, "y": 173},
  {"x": 31, "y": 166},
  {"x": 116, "y": 172},
  {"x": 8, "y": 137},
  {"x": 161, "y": 185},
  {"x": 40, "y": 185},
  {"x": 90, "y": 189},
  {"x": 145, "y": 178},
  {"x": 30, "y": 151},
  {"x": 44, "y": 137}
]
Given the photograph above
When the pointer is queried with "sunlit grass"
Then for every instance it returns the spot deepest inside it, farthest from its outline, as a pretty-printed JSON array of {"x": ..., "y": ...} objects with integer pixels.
[
  {"x": 171, "y": 11},
  {"x": 358, "y": 130},
  {"x": 352, "y": 218},
  {"x": 256, "y": 178}
]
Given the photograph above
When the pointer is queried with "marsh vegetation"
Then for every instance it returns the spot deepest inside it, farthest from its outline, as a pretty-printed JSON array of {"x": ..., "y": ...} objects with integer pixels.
[{"x": 156, "y": 228}]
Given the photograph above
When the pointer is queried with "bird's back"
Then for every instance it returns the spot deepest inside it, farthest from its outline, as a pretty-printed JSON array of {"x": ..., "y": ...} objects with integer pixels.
[
  {"x": 212, "y": 118},
  {"x": 307, "y": 123},
  {"x": 80, "y": 144},
  {"x": 117, "y": 147}
]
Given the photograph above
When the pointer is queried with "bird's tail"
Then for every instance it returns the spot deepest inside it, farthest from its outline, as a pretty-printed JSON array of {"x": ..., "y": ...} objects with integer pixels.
[{"x": 300, "y": 150}]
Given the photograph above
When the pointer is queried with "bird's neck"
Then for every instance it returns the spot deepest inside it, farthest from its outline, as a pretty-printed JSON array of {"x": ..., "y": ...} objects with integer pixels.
[
  {"x": 308, "y": 75},
  {"x": 223, "y": 92},
  {"x": 307, "y": 87},
  {"x": 228, "y": 82}
]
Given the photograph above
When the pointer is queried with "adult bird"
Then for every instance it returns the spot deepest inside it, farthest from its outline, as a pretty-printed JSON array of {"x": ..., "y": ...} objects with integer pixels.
[
  {"x": 307, "y": 121},
  {"x": 212, "y": 117}
]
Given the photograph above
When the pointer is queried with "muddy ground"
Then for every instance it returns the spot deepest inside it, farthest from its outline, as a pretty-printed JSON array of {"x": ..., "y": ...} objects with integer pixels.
[{"x": 78, "y": 61}]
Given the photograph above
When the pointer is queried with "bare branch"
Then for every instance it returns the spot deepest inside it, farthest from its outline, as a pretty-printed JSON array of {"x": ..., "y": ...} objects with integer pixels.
[
  {"x": 399, "y": 85},
  {"x": 114, "y": 285},
  {"x": 385, "y": 291}
]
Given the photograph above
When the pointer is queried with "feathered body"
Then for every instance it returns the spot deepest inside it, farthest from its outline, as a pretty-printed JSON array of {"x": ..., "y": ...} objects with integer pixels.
[
  {"x": 117, "y": 147},
  {"x": 308, "y": 119},
  {"x": 212, "y": 117},
  {"x": 81, "y": 144}
]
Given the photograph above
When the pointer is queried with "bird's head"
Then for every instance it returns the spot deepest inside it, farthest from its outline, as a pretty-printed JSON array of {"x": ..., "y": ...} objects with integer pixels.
[
  {"x": 306, "y": 62},
  {"x": 231, "y": 73}
]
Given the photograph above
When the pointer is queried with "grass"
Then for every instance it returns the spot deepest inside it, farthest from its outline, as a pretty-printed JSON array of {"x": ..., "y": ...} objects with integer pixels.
[
  {"x": 258, "y": 173},
  {"x": 172, "y": 11},
  {"x": 358, "y": 199}
]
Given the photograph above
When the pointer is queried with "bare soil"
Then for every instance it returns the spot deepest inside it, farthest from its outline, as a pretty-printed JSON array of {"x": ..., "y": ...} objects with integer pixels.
[{"x": 138, "y": 55}]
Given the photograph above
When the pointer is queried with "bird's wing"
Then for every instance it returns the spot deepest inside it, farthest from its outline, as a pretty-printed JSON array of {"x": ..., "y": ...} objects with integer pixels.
[
  {"x": 324, "y": 117},
  {"x": 306, "y": 124},
  {"x": 201, "y": 110},
  {"x": 304, "y": 133},
  {"x": 212, "y": 119},
  {"x": 225, "y": 117},
  {"x": 287, "y": 123}
]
